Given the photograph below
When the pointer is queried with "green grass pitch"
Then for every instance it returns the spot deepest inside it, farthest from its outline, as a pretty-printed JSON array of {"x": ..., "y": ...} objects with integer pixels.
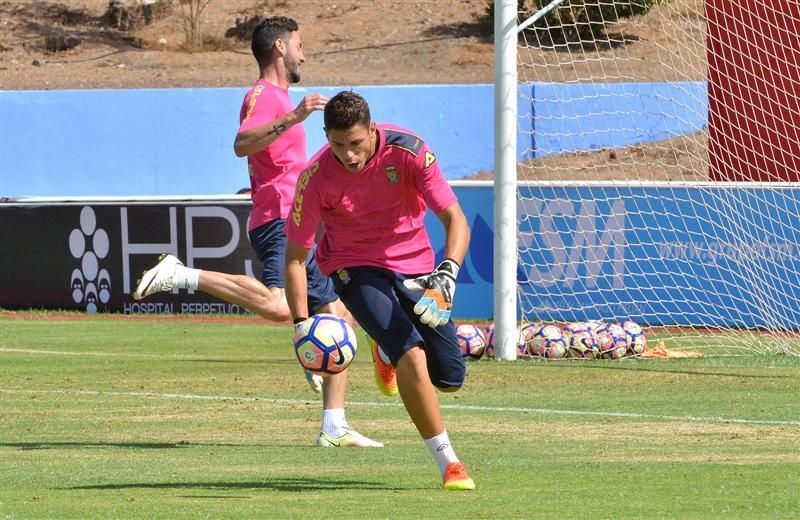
[{"x": 128, "y": 418}]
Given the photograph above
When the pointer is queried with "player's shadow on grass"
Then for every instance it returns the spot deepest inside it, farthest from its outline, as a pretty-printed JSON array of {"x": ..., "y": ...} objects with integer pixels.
[
  {"x": 92, "y": 445},
  {"x": 291, "y": 485}
]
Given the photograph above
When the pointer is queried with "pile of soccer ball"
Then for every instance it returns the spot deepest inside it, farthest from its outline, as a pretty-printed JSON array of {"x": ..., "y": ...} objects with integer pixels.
[{"x": 581, "y": 340}]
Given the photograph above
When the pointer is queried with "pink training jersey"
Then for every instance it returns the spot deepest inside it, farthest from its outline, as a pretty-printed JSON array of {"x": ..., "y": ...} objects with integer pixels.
[
  {"x": 374, "y": 217},
  {"x": 273, "y": 170}
]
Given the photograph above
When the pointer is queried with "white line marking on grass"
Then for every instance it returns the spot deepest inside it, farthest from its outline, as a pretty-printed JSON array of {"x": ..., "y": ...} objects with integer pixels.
[
  {"x": 195, "y": 355},
  {"x": 57, "y": 352},
  {"x": 457, "y": 407}
]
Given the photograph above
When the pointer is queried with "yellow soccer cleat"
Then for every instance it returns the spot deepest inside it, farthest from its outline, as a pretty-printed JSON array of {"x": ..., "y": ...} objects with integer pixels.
[
  {"x": 350, "y": 439},
  {"x": 385, "y": 372},
  {"x": 456, "y": 479}
]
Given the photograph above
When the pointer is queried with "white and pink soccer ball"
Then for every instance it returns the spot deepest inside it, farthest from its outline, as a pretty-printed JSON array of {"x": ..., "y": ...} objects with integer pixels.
[
  {"x": 325, "y": 344},
  {"x": 581, "y": 340},
  {"x": 636, "y": 337},
  {"x": 525, "y": 335},
  {"x": 488, "y": 333},
  {"x": 521, "y": 341},
  {"x": 471, "y": 340},
  {"x": 547, "y": 341},
  {"x": 611, "y": 340}
]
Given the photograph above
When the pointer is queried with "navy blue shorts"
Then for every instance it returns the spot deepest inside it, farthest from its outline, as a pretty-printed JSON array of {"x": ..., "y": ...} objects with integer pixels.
[
  {"x": 269, "y": 243},
  {"x": 384, "y": 308}
]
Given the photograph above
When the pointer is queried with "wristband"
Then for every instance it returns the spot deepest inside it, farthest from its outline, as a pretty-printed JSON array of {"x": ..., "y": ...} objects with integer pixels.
[{"x": 449, "y": 266}]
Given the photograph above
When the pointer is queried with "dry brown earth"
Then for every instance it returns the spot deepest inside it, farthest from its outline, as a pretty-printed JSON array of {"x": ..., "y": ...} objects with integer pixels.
[{"x": 358, "y": 43}]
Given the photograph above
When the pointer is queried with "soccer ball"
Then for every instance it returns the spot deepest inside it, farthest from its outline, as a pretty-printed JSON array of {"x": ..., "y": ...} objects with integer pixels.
[
  {"x": 325, "y": 344},
  {"x": 581, "y": 340},
  {"x": 548, "y": 342},
  {"x": 488, "y": 333},
  {"x": 637, "y": 340},
  {"x": 472, "y": 341},
  {"x": 611, "y": 340},
  {"x": 525, "y": 337}
]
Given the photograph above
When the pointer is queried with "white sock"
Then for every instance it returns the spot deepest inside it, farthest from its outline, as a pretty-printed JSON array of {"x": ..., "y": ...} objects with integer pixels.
[
  {"x": 383, "y": 356},
  {"x": 441, "y": 450},
  {"x": 333, "y": 422},
  {"x": 186, "y": 277}
]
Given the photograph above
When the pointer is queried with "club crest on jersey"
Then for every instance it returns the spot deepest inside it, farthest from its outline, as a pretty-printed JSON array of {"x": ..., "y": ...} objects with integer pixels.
[
  {"x": 343, "y": 275},
  {"x": 391, "y": 174}
]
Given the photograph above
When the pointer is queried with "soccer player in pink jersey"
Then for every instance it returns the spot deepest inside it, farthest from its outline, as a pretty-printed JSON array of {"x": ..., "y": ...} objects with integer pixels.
[
  {"x": 370, "y": 187},
  {"x": 273, "y": 140}
]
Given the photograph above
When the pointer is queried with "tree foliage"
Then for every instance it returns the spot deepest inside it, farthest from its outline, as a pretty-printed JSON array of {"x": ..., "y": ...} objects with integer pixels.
[{"x": 579, "y": 20}]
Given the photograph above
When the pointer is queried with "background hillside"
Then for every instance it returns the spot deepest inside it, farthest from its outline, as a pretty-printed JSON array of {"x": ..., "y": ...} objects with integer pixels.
[{"x": 348, "y": 43}]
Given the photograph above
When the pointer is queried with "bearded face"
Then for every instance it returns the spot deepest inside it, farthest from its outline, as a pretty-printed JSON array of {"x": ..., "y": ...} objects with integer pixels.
[{"x": 294, "y": 57}]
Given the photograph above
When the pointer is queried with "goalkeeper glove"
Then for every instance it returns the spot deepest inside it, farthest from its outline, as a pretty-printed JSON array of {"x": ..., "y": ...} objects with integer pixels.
[
  {"x": 297, "y": 322},
  {"x": 314, "y": 381},
  {"x": 436, "y": 302}
]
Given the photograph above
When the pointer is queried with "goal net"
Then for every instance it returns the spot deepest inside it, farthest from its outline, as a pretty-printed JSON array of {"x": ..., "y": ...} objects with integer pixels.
[{"x": 658, "y": 152}]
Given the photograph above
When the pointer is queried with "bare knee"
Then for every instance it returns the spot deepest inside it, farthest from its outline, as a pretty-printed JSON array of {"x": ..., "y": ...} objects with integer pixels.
[
  {"x": 337, "y": 307},
  {"x": 414, "y": 363}
]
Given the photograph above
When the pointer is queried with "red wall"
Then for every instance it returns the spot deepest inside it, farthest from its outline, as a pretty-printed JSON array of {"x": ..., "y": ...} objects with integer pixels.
[{"x": 754, "y": 90}]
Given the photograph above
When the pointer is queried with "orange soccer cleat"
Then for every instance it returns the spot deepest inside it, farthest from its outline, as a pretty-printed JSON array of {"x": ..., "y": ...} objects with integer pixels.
[
  {"x": 456, "y": 479},
  {"x": 385, "y": 373}
]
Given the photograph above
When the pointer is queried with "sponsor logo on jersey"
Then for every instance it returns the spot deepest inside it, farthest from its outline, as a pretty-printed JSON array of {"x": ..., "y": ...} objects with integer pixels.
[
  {"x": 408, "y": 142},
  {"x": 429, "y": 158},
  {"x": 302, "y": 183},
  {"x": 251, "y": 103}
]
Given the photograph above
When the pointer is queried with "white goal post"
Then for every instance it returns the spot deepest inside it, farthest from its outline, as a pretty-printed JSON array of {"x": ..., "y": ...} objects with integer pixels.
[
  {"x": 505, "y": 181},
  {"x": 647, "y": 168}
]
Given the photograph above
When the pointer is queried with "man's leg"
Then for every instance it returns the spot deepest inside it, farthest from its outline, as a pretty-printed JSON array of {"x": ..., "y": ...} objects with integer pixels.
[
  {"x": 333, "y": 387},
  {"x": 371, "y": 295},
  {"x": 422, "y": 405},
  {"x": 247, "y": 292},
  {"x": 241, "y": 290},
  {"x": 335, "y": 430},
  {"x": 418, "y": 394}
]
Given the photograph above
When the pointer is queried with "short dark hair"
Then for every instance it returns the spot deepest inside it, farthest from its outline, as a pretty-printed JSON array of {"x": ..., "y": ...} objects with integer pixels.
[
  {"x": 266, "y": 33},
  {"x": 346, "y": 110}
]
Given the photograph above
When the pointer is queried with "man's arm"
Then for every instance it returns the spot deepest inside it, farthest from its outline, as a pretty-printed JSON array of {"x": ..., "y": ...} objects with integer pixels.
[
  {"x": 456, "y": 232},
  {"x": 256, "y": 139},
  {"x": 296, "y": 281}
]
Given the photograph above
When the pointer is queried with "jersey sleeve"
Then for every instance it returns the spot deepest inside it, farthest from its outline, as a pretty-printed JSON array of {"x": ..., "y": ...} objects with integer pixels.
[
  {"x": 304, "y": 216},
  {"x": 258, "y": 109},
  {"x": 430, "y": 181}
]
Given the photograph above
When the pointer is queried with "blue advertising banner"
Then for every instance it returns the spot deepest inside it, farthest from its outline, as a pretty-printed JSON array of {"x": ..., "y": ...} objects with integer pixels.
[
  {"x": 474, "y": 296},
  {"x": 712, "y": 254},
  {"x": 723, "y": 255}
]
